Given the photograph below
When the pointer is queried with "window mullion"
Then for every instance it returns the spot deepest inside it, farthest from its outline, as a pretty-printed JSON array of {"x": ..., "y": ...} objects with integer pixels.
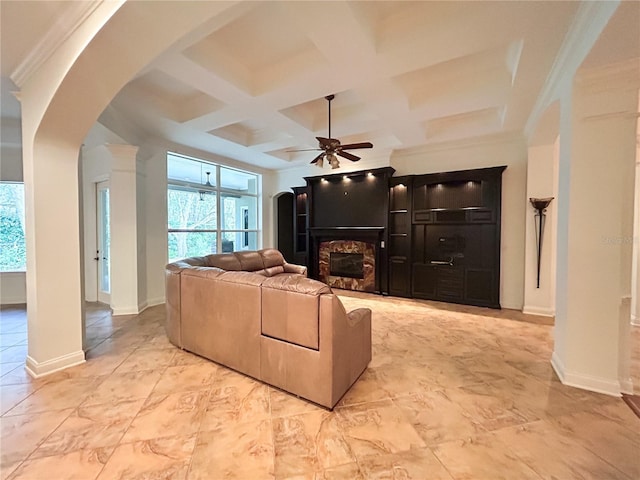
[{"x": 218, "y": 212}]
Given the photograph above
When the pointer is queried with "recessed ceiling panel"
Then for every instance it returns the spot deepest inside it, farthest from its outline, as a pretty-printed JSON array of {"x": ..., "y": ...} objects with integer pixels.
[
  {"x": 259, "y": 50},
  {"x": 465, "y": 125},
  {"x": 177, "y": 101},
  {"x": 481, "y": 74}
]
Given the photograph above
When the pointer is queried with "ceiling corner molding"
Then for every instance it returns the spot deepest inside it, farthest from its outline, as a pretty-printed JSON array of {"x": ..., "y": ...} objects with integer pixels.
[
  {"x": 588, "y": 23},
  {"x": 59, "y": 32}
]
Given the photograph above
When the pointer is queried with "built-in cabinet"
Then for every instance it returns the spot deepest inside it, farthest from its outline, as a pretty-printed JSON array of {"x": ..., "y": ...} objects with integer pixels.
[
  {"x": 436, "y": 236},
  {"x": 300, "y": 225},
  {"x": 400, "y": 236},
  {"x": 455, "y": 230}
]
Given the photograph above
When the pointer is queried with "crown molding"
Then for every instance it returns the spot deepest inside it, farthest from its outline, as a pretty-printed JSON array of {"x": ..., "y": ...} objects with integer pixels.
[
  {"x": 588, "y": 23},
  {"x": 59, "y": 32}
]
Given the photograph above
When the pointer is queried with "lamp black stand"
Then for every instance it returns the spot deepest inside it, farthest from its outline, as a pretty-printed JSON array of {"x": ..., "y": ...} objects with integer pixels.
[{"x": 540, "y": 204}]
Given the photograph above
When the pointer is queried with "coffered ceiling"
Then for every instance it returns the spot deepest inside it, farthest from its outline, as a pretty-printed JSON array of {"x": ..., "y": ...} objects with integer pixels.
[{"x": 250, "y": 84}]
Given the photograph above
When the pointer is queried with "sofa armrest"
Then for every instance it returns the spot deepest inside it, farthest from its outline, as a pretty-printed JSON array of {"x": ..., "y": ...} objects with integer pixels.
[
  {"x": 292, "y": 268},
  {"x": 358, "y": 315}
]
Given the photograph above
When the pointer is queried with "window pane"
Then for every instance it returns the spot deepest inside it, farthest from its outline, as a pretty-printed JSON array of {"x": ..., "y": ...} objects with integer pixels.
[
  {"x": 13, "y": 252},
  {"x": 190, "y": 209},
  {"x": 239, "y": 212},
  {"x": 236, "y": 241},
  {"x": 191, "y": 244},
  {"x": 240, "y": 181}
]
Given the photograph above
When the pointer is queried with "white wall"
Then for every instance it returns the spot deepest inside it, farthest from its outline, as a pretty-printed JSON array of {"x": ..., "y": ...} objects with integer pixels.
[
  {"x": 542, "y": 182},
  {"x": 595, "y": 230},
  {"x": 156, "y": 224},
  {"x": 96, "y": 165}
]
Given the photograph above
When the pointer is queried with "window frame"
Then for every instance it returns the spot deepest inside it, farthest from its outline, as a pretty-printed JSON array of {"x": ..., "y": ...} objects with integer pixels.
[{"x": 219, "y": 192}]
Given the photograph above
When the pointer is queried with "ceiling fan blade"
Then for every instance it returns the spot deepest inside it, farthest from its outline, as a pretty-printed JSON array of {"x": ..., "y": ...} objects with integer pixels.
[
  {"x": 348, "y": 156},
  {"x": 354, "y": 146},
  {"x": 315, "y": 160}
]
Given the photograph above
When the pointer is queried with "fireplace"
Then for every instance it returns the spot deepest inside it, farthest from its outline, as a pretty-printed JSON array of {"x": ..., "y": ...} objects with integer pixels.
[{"x": 348, "y": 264}]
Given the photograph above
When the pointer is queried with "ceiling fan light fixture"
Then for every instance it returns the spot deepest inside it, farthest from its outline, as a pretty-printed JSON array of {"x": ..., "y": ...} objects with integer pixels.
[{"x": 333, "y": 161}]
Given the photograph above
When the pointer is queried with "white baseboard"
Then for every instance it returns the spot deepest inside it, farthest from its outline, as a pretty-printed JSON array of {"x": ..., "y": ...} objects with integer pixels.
[
  {"x": 155, "y": 301},
  {"x": 124, "y": 310},
  {"x": 13, "y": 300},
  {"x": 150, "y": 303},
  {"x": 586, "y": 382},
  {"x": 626, "y": 386},
  {"x": 542, "y": 311},
  {"x": 40, "y": 369}
]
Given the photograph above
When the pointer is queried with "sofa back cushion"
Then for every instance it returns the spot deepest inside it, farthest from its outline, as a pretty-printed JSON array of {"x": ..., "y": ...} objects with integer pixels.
[
  {"x": 224, "y": 261},
  {"x": 290, "y": 309},
  {"x": 250, "y": 261},
  {"x": 272, "y": 258}
]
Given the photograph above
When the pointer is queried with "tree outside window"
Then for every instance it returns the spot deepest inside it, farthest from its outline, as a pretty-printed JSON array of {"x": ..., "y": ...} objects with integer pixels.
[
  {"x": 13, "y": 250},
  {"x": 196, "y": 191}
]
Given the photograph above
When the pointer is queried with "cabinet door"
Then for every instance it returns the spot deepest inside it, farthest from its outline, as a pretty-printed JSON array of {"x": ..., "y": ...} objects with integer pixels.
[
  {"x": 480, "y": 287},
  {"x": 399, "y": 277},
  {"x": 424, "y": 282}
]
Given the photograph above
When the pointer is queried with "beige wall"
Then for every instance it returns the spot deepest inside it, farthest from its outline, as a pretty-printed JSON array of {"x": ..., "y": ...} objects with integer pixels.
[{"x": 542, "y": 182}]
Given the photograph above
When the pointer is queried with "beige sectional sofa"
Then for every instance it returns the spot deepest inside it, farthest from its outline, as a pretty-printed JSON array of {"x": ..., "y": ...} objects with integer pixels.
[{"x": 257, "y": 314}]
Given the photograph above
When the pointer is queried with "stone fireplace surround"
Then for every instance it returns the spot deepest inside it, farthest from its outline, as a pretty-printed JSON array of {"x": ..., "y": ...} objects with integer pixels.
[
  {"x": 368, "y": 251},
  {"x": 364, "y": 240}
]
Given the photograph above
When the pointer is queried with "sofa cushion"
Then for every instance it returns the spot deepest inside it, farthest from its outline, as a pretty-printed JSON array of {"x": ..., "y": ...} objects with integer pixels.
[
  {"x": 225, "y": 261},
  {"x": 290, "y": 309},
  {"x": 271, "y": 257},
  {"x": 271, "y": 271},
  {"x": 250, "y": 261}
]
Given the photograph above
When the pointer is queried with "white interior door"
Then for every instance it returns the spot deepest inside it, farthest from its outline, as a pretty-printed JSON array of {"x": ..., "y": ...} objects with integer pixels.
[{"x": 103, "y": 243}]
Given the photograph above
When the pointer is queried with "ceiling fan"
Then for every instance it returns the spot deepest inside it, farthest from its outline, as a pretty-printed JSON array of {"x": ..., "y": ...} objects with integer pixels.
[{"x": 331, "y": 147}]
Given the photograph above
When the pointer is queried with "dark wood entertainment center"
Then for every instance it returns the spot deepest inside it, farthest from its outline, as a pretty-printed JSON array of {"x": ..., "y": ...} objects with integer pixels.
[{"x": 435, "y": 236}]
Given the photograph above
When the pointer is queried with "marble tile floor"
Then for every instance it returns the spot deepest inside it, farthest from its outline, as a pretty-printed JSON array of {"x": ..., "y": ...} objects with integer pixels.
[{"x": 451, "y": 393}]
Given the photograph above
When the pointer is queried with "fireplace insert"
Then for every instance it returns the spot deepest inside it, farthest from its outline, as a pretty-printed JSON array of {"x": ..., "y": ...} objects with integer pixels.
[{"x": 348, "y": 265}]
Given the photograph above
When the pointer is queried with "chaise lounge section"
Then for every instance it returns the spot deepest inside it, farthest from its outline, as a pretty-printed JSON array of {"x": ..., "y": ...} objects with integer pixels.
[{"x": 259, "y": 315}]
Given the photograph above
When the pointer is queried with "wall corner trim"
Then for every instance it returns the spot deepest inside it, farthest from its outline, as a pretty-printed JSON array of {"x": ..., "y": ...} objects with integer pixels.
[
  {"x": 40, "y": 369},
  {"x": 584, "y": 381},
  {"x": 133, "y": 310}
]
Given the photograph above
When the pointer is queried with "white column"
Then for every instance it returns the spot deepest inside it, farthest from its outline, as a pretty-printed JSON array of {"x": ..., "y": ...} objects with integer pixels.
[
  {"x": 52, "y": 221},
  {"x": 635, "y": 280},
  {"x": 123, "y": 205},
  {"x": 595, "y": 228},
  {"x": 542, "y": 182}
]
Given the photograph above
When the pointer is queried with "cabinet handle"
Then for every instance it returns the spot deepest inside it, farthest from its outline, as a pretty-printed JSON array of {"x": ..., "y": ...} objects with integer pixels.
[{"x": 439, "y": 262}]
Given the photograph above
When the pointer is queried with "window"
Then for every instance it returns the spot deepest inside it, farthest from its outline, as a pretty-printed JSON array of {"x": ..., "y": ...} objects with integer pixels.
[
  {"x": 210, "y": 208},
  {"x": 13, "y": 251}
]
